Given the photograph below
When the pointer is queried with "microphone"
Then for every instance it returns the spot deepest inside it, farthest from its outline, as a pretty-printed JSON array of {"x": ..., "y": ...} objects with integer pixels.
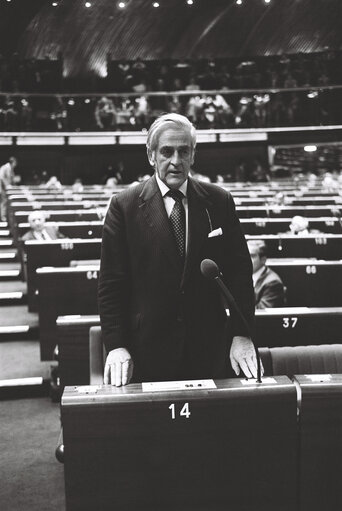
[{"x": 210, "y": 270}]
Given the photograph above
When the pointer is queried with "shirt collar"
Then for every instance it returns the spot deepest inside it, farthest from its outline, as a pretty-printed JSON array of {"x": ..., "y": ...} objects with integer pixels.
[
  {"x": 164, "y": 188},
  {"x": 257, "y": 274}
]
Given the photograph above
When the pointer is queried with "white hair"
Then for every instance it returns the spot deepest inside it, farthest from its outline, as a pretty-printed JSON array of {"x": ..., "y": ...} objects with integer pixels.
[{"x": 169, "y": 121}]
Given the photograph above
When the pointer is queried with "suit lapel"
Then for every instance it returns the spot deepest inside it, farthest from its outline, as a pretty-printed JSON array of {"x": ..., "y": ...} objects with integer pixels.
[
  {"x": 260, "y": 281},
  {"x": 153, "y": 209}
]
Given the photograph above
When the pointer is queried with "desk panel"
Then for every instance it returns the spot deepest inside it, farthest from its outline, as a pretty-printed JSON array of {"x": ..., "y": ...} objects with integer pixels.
[
  {"x": 320, "y": 246},
  {"x": 62, "y": 291},
  {"x": 56, "y": 253},
  {"x": 320, "y": 442},
  {"x": 310, "y": 283},
  {"x": 233, "y": 447}
]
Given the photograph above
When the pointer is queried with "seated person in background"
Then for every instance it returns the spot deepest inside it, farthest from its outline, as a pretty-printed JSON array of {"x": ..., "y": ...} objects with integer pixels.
[
  {"x": 53, "y": 183},
  {"x": 38, "y": 228},
  {"x": 300, "y": 226},
  {"x": 77, "y": 187},
  {"x": 268, "y": 287}
]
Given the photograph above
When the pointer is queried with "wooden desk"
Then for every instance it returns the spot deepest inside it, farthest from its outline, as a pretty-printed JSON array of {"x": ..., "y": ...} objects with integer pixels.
[
  {"x": 81, "y": 229},
  {"x": 65, "y": 215},
  {"x": 62, "y": 291},
  {"x": 284, "y": 211},
  {"x": 310, "y": 282},
  {"x": 319, "y": 246},
  {"x": 263, "y": 226},
  {"x": 320, "y": 442},
  {"x": 57, "y": 253},
  {"x": 298, "y": 326},
  {"x": 230, "y": 447}
]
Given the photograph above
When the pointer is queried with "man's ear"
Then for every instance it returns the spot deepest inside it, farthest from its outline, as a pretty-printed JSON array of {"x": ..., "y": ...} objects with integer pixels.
[
  {"x": 151, "y": 158},
  {"x": 192, "y": 157}
]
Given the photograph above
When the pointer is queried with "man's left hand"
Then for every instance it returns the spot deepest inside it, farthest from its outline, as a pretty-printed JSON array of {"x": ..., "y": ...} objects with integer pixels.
[{"x": 242, "y": 356}]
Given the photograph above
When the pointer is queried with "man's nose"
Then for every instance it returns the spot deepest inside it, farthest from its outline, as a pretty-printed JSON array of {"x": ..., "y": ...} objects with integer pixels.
[{"x": 175, "y": 160}]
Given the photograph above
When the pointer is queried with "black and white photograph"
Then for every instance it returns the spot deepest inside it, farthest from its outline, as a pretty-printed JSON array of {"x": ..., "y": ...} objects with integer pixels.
[{"x": 170, "y": 255}]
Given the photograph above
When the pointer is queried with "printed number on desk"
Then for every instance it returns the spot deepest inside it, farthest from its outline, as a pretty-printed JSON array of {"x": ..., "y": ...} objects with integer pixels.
[
  {"x": 91, "y": 275},
  {"x": 67, "y": 245},
  {"x": 289, "y": 322},
  {"x": 321, "y": 241},
  {"x": 185, "y": 411}
]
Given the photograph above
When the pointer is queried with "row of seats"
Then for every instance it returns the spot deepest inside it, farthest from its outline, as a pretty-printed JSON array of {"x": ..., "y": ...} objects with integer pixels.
[{"x": 63, "y": 287}]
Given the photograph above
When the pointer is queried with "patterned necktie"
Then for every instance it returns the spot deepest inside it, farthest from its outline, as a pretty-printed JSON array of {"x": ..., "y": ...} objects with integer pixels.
[{"x": 177, "y": 219}]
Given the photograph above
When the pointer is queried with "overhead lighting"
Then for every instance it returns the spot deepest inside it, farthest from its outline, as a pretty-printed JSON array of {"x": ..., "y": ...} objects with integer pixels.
[
  {"x": 71, "y": 102},
  {"x": 87, "y": 101},
  {"x": 156, "y": 4},
  {"x": 310, "y": 148},
  {"x": 267, "y": 1},
  {"x": 190, "y": 2},
  {"x": 87, "y": 5},
  {"x": 122, "y": 5},
  {"x": 238, "y": 2},
  {"x": 54, "y": 4}
]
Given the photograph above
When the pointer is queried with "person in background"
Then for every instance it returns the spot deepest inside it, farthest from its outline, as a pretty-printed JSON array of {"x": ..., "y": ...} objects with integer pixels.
[
  {"x": 38, "y": 228},
  {"x": 53, "y": 183},
  {"x": 77, "y": 187},
  {"x": 7, "y": 178},
  {"x": 299, "y": 226},
  {"x": 268, "y": 287}
]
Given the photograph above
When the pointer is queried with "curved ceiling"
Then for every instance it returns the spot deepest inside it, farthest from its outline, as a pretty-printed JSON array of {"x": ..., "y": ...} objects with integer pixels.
[{"x": 208, "y": 28}]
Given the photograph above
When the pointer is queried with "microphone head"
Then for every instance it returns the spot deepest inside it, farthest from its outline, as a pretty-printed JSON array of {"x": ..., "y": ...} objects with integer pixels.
[{"x": 209, "y": 269}]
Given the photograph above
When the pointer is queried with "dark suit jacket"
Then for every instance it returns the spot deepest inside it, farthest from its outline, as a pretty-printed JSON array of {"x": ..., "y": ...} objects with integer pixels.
[
  {"x": 171, "y": 318},
  {"x": 50, "y": 229},
  {"x": 269, "y": 290}
]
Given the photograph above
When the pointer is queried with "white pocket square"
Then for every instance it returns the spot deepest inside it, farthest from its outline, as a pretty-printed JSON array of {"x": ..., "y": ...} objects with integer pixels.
[{"x": 215, "y": 232}]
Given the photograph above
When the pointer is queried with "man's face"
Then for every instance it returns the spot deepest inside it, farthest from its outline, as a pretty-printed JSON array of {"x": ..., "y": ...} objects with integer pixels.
[
  {"x": 257, "y": 261},
  {"x": 37, "y": 221},
  {"x": 173, "y": 157}
]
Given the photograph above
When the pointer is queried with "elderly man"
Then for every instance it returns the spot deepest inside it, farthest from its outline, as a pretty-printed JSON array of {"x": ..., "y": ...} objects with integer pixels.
[
  {"x": 160, "y": 318},
  {"x": 268, "y": 287},
  {"x": 38, "y": 228}
]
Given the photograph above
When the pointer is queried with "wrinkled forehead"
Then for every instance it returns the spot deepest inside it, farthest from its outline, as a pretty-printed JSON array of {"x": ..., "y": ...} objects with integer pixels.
[{"x": 169, "y": 133}]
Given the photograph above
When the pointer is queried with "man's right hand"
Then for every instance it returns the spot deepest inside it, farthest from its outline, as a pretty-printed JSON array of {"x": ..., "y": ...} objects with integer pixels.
[{"x": 118, "y": 367}]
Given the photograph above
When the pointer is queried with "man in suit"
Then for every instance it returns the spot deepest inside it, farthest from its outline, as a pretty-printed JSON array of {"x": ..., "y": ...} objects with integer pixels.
[
  {"x": 268, "y": 286},
  {"x": 38, "y": 228},
  {"x": 161, "y": 319}
]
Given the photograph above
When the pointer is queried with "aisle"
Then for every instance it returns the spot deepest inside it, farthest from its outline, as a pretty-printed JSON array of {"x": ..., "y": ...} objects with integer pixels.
[{"x": 19, "y": 329}]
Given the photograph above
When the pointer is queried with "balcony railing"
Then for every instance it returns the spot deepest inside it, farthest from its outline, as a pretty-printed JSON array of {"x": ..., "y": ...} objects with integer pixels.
[{"x": 220, "y": 109}]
